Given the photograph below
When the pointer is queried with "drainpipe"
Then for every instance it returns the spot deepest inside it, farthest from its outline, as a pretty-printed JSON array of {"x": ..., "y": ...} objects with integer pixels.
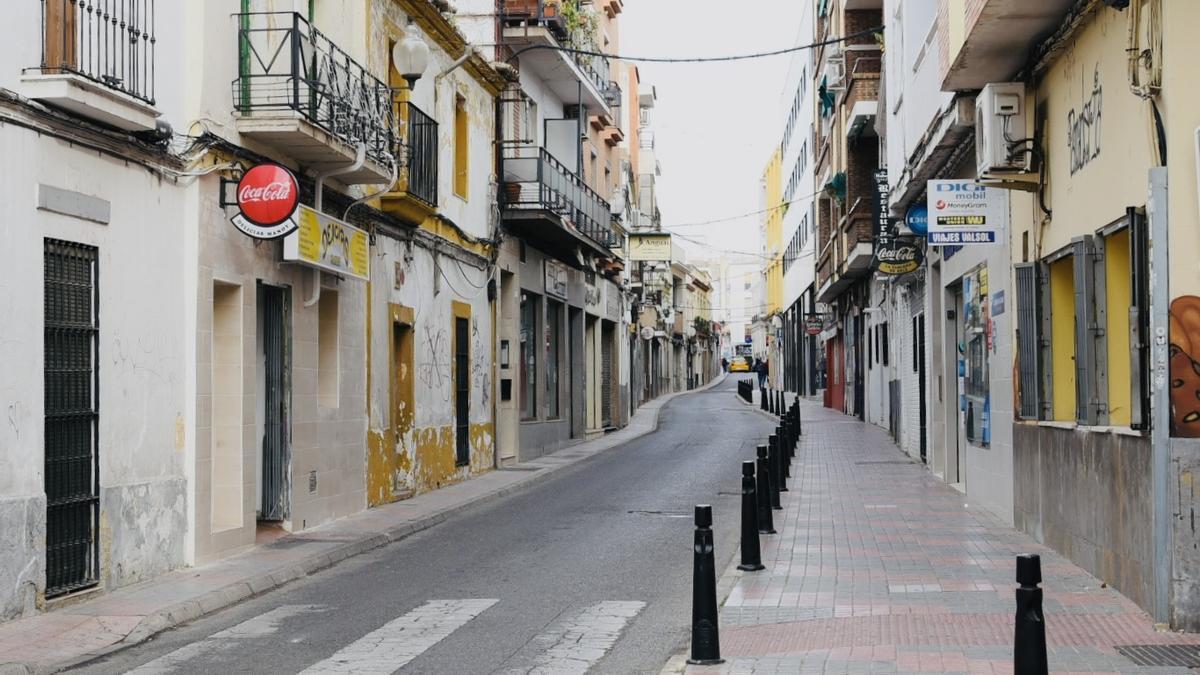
[
  {"x": 437, "y": 80},
  {"x": 318, "y": 206}
]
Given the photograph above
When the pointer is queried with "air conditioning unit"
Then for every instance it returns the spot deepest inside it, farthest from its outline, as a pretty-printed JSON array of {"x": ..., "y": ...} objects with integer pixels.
[
  {"x": 835, "y": 72},
  {"x": 1000, "y": 141}
]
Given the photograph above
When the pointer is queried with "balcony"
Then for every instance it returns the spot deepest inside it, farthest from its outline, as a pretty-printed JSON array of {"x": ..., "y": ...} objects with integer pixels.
[
  {"x": 848, "y": 255},
  {"x": 999, "y": 34},
  {"x": 537, "y": 30},
  {"x": 416, "y": 194},
  {"x": 97, "y": 61},
  {"x": 861, "y": 100},
  {"x": 545, "y": 202},
  {"x": 298, "y": 91}
]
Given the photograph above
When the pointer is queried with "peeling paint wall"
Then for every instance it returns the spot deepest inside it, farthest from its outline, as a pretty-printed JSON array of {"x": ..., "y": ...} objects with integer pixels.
[{"x": 1185, "y": 537}]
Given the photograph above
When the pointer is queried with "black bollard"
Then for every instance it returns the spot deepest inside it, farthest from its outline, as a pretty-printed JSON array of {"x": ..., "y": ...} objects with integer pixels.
[
  {"x": 1029, "y": 646},
  {"x": 780, "y": 461},
  {"x": 706, "y": 641},
  {"x": 785, "y": 452},
  {"x": 763, "y": 398},
  {"x": 773, "y": 466},
  {"x": 751, "y": 554},
  {"x": 796, "y": 414},
  {"x": 766, "y": 524},
  {"x": 780, "y": 403}
]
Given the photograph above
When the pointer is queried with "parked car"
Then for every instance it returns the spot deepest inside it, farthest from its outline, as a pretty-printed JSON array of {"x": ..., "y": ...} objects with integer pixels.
[{"x": 739, "y": 365}]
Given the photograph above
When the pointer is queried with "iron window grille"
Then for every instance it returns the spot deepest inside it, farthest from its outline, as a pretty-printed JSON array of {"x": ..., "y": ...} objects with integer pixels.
[
  {"x": 422, "y": 156},
  {"x": 286, "y": 64},
  {"x": 72, "y": 451},
  {"x": 110, "y": 42}
]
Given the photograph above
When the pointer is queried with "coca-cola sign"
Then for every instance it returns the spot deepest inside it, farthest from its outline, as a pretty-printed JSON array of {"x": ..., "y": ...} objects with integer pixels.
[
  {"x": 267, "y": 197},
  {"x": 898, "y": 255}
]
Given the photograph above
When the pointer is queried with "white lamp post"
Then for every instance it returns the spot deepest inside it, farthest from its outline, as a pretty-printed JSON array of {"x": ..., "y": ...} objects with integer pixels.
[{"x": 410, "y": 58}]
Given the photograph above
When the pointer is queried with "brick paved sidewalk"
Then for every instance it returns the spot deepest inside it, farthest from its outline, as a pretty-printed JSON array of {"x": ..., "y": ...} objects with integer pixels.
[{"x": 880, "y": 568}]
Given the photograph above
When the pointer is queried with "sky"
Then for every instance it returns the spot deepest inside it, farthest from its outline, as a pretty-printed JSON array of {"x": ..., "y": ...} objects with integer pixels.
[{"x": 715, "y": 124}]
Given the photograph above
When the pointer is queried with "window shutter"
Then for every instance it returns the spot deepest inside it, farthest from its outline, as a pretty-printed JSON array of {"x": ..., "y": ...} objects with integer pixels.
[
  {"x": 1139, "y": 319},
  {"x": 1029, "y": 352},
  {"x": 1087, "y": 379}
]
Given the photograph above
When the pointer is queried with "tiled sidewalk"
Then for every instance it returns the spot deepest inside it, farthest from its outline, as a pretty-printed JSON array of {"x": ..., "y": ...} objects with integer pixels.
[{"x": 880, "y": 568}]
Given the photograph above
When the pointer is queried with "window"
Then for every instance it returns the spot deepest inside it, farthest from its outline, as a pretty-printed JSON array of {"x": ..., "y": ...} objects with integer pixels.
[
  {"x": 327, "y": 349},
  {"x": 1118, "y": 290},
  {"x": 71, "y": 407},
  {"x": 461, "y": 145},
  {"x": 1062, "y": 338},
  {"x": 554, "y": 316},
  {"x": 529, "y": 312}
]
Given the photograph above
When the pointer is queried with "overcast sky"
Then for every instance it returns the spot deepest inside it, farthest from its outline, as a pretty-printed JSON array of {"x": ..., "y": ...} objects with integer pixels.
[{"x": 714, "y": 123}]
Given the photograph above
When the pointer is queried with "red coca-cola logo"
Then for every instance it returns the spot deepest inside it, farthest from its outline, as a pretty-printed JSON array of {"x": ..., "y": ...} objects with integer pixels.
[{"x": 268, "y": 195}]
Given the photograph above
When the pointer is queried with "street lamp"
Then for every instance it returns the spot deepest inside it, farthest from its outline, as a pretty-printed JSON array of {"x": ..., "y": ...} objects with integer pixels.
[{"x": 410, "y": 58}]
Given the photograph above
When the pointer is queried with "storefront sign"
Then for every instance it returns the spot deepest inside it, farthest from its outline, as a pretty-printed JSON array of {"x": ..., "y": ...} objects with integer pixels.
[
  {"x": 898, "y": 255},
  {"x": 556, "y": 280},
  {"x": 327, "y": 243},
  {"x": 267, "y": 200},
  {"x": 917, "y": 218},
  {"x": 648, "y": 247},
  {"x": 814, "y": 323},
  {"x": 963, "y": 212}
]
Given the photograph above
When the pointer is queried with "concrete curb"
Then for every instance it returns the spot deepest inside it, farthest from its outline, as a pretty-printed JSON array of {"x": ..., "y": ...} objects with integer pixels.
[{"x": 239, "y": 591}]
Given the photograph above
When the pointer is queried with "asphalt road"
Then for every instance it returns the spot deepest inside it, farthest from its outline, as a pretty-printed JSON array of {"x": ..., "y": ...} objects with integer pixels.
[{"x": 568, "y": 564}]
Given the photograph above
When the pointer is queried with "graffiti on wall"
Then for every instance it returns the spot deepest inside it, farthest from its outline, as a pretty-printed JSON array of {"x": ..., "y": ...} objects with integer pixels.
[
  {"x": 1083, "y": 126},
  {"x": 481, "y": 364},
  {"x": 434, "y": 370},
  {"x": 1185, "y": 366}
]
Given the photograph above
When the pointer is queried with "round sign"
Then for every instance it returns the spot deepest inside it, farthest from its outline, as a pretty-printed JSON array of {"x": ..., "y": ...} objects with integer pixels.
[
  {"x": 268, "y": 195},
  {"x": 647, "y": 332},
  {"x": 917, "y": 218}
]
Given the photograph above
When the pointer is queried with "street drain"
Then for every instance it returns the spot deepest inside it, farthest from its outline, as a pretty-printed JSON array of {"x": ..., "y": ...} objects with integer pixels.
[
  {"x": 1183, "y": 656},
  {"x": 664, "y": 514},
  {"x": 520, "y": 468},
  {"x": 887, "y": 461}
]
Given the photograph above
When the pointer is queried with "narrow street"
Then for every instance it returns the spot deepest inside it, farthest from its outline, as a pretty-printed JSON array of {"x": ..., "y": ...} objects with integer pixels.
[{"x": 602, "y": 548}]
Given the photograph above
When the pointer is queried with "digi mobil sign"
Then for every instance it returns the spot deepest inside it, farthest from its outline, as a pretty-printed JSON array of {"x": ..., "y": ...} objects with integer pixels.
[{"x": 962, "y": 212}]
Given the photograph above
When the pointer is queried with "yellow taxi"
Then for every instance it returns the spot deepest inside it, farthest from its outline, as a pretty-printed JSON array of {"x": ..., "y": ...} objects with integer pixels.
[{"x": 739, "y": 365}]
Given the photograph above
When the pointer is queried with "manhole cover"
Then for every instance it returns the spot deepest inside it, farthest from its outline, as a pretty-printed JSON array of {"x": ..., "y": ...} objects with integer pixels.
[
  {"x": 888, "y": 461},
  {"x": 1183, "y": 656}
]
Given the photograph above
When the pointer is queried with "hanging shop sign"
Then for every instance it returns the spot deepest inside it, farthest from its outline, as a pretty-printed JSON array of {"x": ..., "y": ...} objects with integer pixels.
[
  {"x": 964, "y": 212},
  {"x": 650, "y": 247},
  {"x": 268, "y": 197},
  {"x": 556, "y": 280},
  {"x": 328, "y": 243},
  {"x": 898, "y": 255},
  {"x": 917, "y": 218},
  {"x": 814, "y": 323}
]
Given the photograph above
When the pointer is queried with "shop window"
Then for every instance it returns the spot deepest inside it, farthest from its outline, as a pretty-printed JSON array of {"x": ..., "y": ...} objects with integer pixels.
[
  {"x": 327, "y": 349},
  {"x": 529, "y": 312},
  {"x": 977, "y": 345}
]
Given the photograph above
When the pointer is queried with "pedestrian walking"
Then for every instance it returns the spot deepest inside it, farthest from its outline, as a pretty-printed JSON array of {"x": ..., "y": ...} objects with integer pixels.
[
  {"x": 760, "y": 367},
  {"x": 724, "y": 364}
]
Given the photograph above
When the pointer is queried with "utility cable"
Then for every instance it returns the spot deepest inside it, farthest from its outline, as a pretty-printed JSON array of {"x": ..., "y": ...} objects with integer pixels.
[{"x": 697, "y": 59}]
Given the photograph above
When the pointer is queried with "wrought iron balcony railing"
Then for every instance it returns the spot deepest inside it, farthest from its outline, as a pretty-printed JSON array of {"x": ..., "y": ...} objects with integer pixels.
[
  {"x": 422, "y": 156},
  {"x": 534, "y": 179},
  {"x": 549, "y": 14},
  {"x": 286, "y": 64},
  {"x": 110, "y": 42}
]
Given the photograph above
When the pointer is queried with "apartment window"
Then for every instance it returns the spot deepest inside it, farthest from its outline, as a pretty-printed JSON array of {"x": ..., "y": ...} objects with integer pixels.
[
  {"x": 529, "y": 312},
  {"x": 327, "y": 349},
  {"x": 461, "y": 145},
  {"x": 554, "y": 315}
]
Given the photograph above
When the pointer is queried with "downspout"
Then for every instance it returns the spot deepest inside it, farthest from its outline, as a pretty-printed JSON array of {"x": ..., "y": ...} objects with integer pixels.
[{"x": 318, "y": 203}]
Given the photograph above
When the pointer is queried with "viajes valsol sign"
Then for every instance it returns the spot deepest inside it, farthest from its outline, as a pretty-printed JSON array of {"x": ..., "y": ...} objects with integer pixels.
[
  {"x": 964, "y": 212},
  {"x": 267, "y": 198}
]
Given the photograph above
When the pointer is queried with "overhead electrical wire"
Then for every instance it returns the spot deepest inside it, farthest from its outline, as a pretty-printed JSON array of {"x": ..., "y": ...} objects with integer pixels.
[
  {"x": 698, "y": 59},
  {"x": 746, "y": 215}
]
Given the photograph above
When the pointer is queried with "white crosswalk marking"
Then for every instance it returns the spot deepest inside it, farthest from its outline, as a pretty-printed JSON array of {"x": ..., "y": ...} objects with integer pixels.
[
  {"x": 263, "y": 625},
  {"x": 392, "y": 645},
  {"x": 574, "y": 645}
]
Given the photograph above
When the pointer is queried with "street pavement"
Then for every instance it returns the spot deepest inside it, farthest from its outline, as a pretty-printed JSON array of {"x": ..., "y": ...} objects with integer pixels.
[
  {"x": 880, "y": 568},
  {"x": 590, "y": 568}
]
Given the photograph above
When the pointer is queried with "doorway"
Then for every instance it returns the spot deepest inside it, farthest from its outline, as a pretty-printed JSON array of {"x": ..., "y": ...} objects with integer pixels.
[
  {"x": 274, "y": 319},
  {"x": 955, "y": 366},
  {"x": 919, "y": 346},
  {"x": 462, "y": 391}
]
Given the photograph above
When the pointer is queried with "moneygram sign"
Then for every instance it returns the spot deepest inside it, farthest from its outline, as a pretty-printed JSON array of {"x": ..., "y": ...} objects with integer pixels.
[
  {"x": 267, "y": 199},
  {"x": 962, "y": 212}
]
